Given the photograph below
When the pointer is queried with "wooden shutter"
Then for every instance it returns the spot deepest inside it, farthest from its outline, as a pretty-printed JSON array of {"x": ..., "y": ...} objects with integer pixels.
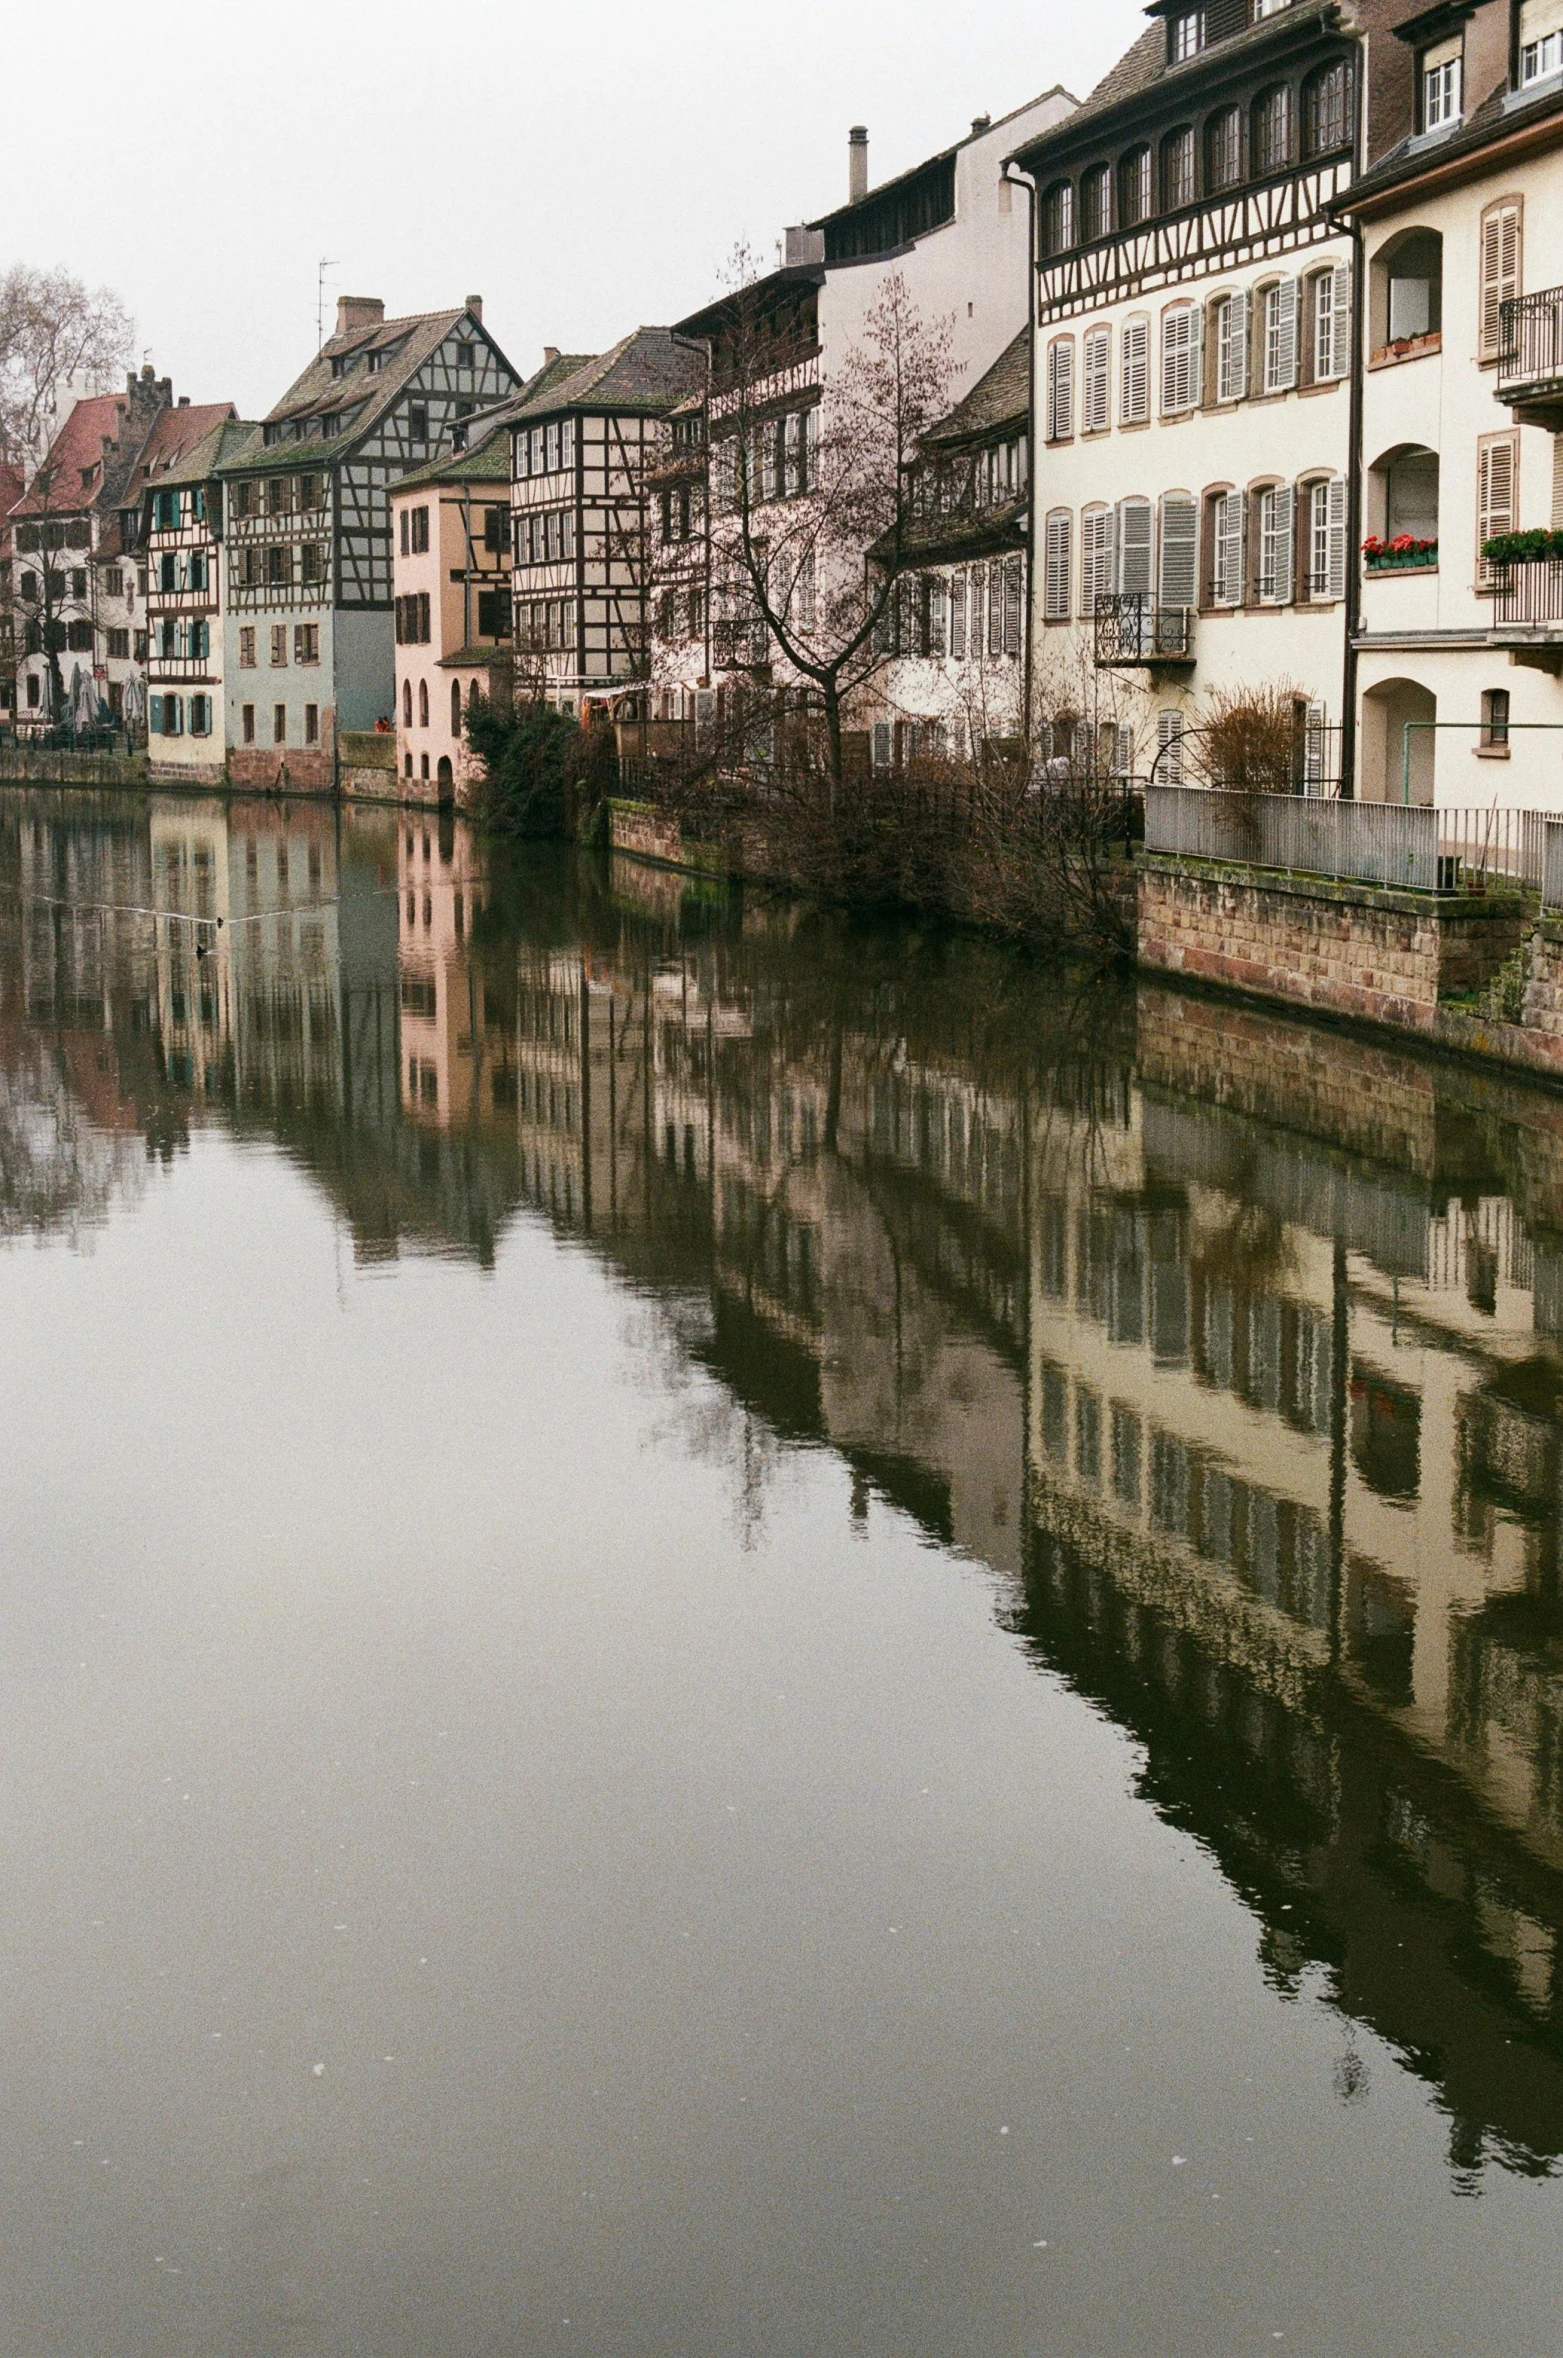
[
  {"x": 1136, "y": 371},
  {"x": 1497, "y": 466},
  {"x": 1055, "y": 579},
  {"x": 1169, "y": 749},
  {"x": 1340, "y": 330},
  {"x": 1014, "y": 603},
  {"x": 1096, "y": 405},
  {"x": 1232, "y": 349},
  {"x": 958, "y": 616},
  {"x": 1134, "y": 547},
  {"x": 1096, "y": 557},
  {"x": 1179, "y": 549},
  {"x": 1277, "y": 543},
  {"x": 1337, "y": 528},
  {"x": 1229, "y": 550},
  {"x": 1500, "y": 256},
  {"x": 1061, "y": 389},
  {"x": 1179, "y": 358},
  {"x": 1281, "y": 361}
]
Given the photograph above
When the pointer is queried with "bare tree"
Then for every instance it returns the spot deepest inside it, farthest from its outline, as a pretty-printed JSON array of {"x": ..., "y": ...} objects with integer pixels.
[
  {"x": 793, "y": 522},
  {"x": 52, "y": 330}
]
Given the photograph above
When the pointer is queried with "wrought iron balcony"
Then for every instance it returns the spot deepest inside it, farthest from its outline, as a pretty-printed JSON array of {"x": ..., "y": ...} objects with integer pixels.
[
  {"x": 1133, "y": 629},
  {"x": 1530, "y": 361},
  {"x": 1529, "y": 592}
]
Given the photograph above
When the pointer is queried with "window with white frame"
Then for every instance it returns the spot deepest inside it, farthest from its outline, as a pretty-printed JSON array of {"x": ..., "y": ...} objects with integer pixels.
[
  {"x": 1168, "y": 769},
  {"x": 1179, "y": 358},
  {"x": 1541, "y": 40},
  {"x": 1135, "y": 373},
  {"x": 1096, "y": 557},
  {"x": 1324, "y": 556},
  {"x": 1279, "y": 336},
  {"x": 1226, "y": 587},
  {"x": 1440, "y": 83},
  {"x": 1231, "y": 333},
  {"x": 1188, "y": 34},
  {"x": 1331, "y": 291},
  {"x": 1096, "y": 391}
]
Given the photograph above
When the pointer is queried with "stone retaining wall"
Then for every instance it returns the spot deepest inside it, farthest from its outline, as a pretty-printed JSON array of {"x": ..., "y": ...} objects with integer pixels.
[{"x": 1346, "y": 949}]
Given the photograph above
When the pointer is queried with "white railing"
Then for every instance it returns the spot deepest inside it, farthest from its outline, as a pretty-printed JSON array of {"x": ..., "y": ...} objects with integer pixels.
[{"x": 1401, "y": 845}]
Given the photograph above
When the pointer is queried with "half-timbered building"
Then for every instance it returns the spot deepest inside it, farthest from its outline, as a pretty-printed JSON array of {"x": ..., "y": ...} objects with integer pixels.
[
  {"x": 1460, "y": 634},
  {"x": 1191, "y": 427},
  {"x": 584, "y": 440},
  {"x": 309, "y": 620},
  {"x": 956, "y": 631},
  {"x": 180, "y": 538},
  {"x": 79, "y": 580},
  {"x": 450, "y": 559},
  {"x": 954, "y": 231}
]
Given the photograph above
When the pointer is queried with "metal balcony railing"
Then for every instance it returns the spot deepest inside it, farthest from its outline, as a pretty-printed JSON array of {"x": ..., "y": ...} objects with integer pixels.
[
  {"x": 1131, "y": 628},
  {"x": 1530, "y": 358},
  {"x": 1399, "y": 845},
  {"x": 1552, "y": 866},
  {"x": 1531, "y": 591}
]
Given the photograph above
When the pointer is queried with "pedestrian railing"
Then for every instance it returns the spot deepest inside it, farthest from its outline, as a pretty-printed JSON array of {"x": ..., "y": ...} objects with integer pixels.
[{"x": 1399, "y": 845}]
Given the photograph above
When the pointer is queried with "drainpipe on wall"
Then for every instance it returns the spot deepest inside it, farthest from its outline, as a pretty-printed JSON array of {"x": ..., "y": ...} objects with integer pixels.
[
  {"x": 1024, "y": 181},
  {"x": 1348, "y": 710}
]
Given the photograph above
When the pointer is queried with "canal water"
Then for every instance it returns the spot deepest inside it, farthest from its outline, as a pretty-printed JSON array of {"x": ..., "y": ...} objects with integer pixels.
[{"x": 729, "y": 1637}]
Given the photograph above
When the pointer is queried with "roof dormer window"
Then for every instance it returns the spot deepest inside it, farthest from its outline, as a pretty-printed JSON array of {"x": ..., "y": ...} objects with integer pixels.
[
  {"x": 1188, "y": 34},
  {"x": 374, "y": 362},
  {"x": 1439, "y": 79},
  {"x": 1541, "y": 40}
]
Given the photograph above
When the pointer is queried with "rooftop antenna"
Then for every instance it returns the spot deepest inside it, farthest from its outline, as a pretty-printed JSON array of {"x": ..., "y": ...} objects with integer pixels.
[{"x": 327, "y": 262}]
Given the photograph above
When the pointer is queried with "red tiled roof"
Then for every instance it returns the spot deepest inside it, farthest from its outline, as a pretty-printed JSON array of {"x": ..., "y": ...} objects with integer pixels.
[
  {"x": 12, "y": 484},
  {"x": 175, "y": 434},
  {"x": 78, "y": 445}
]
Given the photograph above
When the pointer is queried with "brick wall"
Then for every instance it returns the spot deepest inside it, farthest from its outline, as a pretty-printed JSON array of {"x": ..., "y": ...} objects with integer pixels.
[
  {"x": 1384, "y": 957},
  {"x": 291, "y": 769}
]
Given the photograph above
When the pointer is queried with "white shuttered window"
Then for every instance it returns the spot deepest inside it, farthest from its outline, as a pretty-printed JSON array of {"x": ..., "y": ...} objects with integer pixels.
[
  {"x": 1227, "y": 586},
  {"x": 1179, "y": 548},
  {"x": 1179, "y": 359},
  {"x": 1096, "y": 394},
  {"x": 1096, "y": 557},
  {"x": 1497, "y": 503},
  {"x": 1135, "y": 550},
  {"x": 1332, "y": 323},
  {"x": 1232, "y": 348},
  {"x": 1136, "y": 372},
  {"x": 1280, "y": 337},
  {"x": 1055, "y": 570},
  {"x": 1277, "y": 512},
  {"x": 1061, "y": 389},
  {"x": 1500, "y": 265}
]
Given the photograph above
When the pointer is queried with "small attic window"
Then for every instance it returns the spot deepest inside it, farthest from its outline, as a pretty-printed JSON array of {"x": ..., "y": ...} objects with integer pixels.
[
  {"x": 341, "y": 362},
  {"x": 87, "y": 475},
  {"x": 373, "y": 362},
  {"x": 464, "y": 350}
]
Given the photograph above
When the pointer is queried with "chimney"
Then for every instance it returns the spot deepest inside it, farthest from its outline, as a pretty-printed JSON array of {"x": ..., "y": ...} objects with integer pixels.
[
  {"x": 475, "y": 306},
  {"x": 148, "y": 373},
  {"x": 550, "y": 355},
  {"x": 358, "y": 311},
  {"x": 857, "y": 163},
  {"x": 803, "y": 245},
  {"x": 184, "y": 400},
  {"x": 979, "y": 124}
]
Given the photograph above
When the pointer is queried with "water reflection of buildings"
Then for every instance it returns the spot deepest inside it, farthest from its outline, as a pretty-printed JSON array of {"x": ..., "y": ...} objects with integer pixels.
[{"x": 1232, "y": 1347}]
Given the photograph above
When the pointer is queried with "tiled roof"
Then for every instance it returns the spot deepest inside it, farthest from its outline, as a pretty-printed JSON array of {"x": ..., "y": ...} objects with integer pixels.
[
  {"x": 177, "y": 435},
  {"x": 1000, "y": 398},
  {"x": 645, "y": 371},
  {"x": 1503, "y": 111},
  {"x": 77, "y": 449},
  {"x": 484, "y": 461},
  {"x": 316, "y": 393}
]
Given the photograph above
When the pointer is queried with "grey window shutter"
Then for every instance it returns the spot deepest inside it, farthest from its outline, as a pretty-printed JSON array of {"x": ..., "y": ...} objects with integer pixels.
[
  {"x": 1134, "y": 547},
  {"x": 1337, "y": 536},
  {"x": 1286, "y": 340},
  {"x": 1340, "y": 347}
]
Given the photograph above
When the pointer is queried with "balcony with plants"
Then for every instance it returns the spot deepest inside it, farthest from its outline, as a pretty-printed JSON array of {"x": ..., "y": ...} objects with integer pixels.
[{"x": 1527, "y": 576}]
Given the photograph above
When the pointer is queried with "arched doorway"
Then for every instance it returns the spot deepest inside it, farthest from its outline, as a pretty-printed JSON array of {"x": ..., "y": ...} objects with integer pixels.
[
  {"x": 1387, "y": 711},
  {"x": 445, "y": 782}
]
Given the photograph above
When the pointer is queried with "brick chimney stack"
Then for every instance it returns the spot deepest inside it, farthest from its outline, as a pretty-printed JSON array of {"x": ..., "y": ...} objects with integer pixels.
[
  {"x": 358, "y": 311},
  {"x": 857, "y": 163}
]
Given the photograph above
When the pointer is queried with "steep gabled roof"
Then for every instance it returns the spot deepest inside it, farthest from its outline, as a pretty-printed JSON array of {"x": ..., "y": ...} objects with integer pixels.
[
  {"x": 1000, "y": 398},
  {"x": 646, "y": 372},
  {"x": 177, "y": 436},
  {"x": 359, "y": 397},
  {"x": 1503, "y": 114},
  {"x": 485, "y": 461},
  {"x": 77, "y": 453}
]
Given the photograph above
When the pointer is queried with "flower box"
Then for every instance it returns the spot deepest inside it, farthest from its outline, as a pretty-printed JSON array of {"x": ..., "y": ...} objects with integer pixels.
[{"x": 1403, "y": 554}]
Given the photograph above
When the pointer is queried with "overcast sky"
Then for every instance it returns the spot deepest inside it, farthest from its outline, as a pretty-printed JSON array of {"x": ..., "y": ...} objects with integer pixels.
[{"x": 584, "y": 165}]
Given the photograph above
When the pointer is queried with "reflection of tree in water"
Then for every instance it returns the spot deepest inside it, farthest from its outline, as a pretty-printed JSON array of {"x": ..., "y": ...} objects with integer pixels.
[{"x": 60, "y": 1173}]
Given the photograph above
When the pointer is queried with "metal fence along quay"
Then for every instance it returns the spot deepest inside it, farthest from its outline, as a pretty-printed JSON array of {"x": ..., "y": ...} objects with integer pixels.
[{"x": 1405, "y": 847}]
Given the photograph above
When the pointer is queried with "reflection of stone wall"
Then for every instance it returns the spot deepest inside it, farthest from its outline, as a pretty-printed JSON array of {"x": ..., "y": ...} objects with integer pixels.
[
  {"x": 1366, "y": 1099},
  {"x": 1349, "y": 949}
]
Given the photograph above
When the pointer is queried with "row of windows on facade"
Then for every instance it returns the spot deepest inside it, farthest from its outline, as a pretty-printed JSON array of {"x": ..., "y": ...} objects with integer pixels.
[
  {"x": 545, "y": 450},
  {"x": 975, "y": 480},
  {"x": 172, "y": 510},
  {"x": 279, "y": 724},
  {"x": 306, "y": 645},
  {"x": 474, "y": 696},
  {"x": 545, "y": 536},
  {"x": 414, "y": 531},
  {"x": 191, "y": 571},
  {"x": 176, "y": 716},
  {"x": 78, "y": 637},
  {"x": 1191, "y": 162},
  {"x": 270, "y": 565},
  {"x": 1239, "y": 344},
  {"x": 778, "y": 458},
  {"x": 976, "y": 610},
  {"x": 1273, "y": 545},
  {"x": 1538, "y": 55},
  {"x": 330, "y": 424},
  {"x": 183, "y": 642},
  {"x": 279, "y": 495},
  {"x": 546, "y": 625}
]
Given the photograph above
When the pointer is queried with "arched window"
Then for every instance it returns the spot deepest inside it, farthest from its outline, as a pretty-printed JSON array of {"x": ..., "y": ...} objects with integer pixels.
[
  {"x": 1273, "y": 130},
  {"x": 1327, "y": 109},
  {"x": 455, "y": 708},
  {"x": 1134, "y": 188},
  {"x": 1405, "y": 288},
  {"x": 1095, "y": 220},
  {"x": 1224, "y": 149},
  {"x": 1177, "y": 170},
  {"x": 1058, "y": 217},
  {"x": 423, "y": 704},
  {"x": 407, "y": 706}
]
